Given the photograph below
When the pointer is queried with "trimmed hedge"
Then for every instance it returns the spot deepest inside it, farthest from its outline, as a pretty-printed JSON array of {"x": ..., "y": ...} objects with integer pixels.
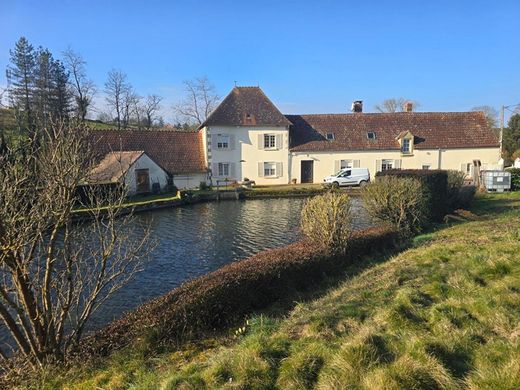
[
  {"x": 515, "y": 179},
  {"x": 221, "y": 297},
  {"x": 435, "y": 187}
]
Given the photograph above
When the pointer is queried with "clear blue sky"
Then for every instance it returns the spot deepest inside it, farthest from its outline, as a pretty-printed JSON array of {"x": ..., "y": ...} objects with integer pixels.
[{"x": 308, "y": 56}]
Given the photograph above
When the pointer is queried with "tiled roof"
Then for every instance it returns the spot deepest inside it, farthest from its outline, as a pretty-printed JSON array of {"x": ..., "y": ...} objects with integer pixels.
[
  {"x": 431, "y": 130},
  {"x": 246, "y": 106},
  {"x": 177, "y": 152},
  {"x": 113, "y": 166}
]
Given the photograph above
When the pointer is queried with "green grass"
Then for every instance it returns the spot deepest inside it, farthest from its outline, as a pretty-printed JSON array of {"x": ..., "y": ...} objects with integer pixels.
[
  {"x": 138, "y": 201},
  {"x": 443, "y": 314}
]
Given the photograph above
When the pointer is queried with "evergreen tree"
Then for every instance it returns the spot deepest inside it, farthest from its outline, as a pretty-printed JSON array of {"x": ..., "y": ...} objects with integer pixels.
[
  {"x": 43, "y": 85},
  {"x": 20, "y": 78},
  {"x": 511, "y": 136},
  {"x": 61, "y": 93}
]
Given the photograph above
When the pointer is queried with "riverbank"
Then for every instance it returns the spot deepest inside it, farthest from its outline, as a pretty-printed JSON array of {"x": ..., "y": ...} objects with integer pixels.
[
  {"x": 187, "y": 197},
  {"x": 442, "y": 314}
]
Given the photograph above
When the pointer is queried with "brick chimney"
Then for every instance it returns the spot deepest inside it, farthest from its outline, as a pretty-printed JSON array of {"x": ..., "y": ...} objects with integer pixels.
[
  {"x": 357, "y": 106},
  {"x": 408, "y": 107}
]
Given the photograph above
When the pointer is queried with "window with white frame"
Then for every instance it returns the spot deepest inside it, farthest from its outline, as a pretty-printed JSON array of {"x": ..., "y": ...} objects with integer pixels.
[
  {"x": 387, "y": 165},
  {"x": 223, "y": 169},
  {"x": 371, "y": 135},
  {"x": 222, "y": 141},
  {"x": 269, "y": 169},
  {"x": 269, "y": 141},
  {"x": 346, "y": 164},
  {"x": 330, "y": 136},
  {"x": 406, "y": 146}
]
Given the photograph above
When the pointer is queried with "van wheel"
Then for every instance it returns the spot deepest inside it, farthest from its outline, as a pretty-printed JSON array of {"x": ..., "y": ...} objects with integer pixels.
[
  {"x": 335, "y": 185},
  {"x": 362, "y": 183}
]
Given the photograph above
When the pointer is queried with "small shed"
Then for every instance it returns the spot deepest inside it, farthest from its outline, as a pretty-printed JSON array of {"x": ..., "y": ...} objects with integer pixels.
[{"x": 135, "y": 169}]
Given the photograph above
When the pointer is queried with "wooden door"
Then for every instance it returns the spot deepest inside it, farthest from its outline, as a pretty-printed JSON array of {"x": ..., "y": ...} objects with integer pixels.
[
  {"x": 307, "y": 171},
  {"x": 142, "y": 179}
]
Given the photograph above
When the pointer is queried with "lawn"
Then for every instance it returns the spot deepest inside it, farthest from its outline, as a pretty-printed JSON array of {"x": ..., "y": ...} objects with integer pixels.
[{"x": 442, "y": 314}]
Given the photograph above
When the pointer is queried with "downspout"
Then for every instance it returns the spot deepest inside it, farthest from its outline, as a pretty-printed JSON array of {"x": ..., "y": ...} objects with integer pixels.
[{"x": 439, "y": 160}]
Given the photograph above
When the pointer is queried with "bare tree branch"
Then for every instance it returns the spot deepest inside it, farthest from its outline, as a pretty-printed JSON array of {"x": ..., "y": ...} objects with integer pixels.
[
  {"x": 200, "y": 100},
  {"x": 55, "y": 274}
]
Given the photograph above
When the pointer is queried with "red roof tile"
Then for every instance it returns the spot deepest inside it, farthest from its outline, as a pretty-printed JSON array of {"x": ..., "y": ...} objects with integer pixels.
[
  {"x": 177, "y": 152},
  {"x": 246, "y": 106},
  {"x": 431, "y": 130}
]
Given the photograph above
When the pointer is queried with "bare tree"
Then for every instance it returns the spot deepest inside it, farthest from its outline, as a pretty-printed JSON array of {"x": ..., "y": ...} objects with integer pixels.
[
  {"x": 200, "y": 100},
  {"x": 130, "y": 103},
  {"x": 151, "y": 106},
  {"x": 54, "y": 274},
  {"x": 116, "y": 88},
  {"x": 83, "y": 88},
  {"x": 490, "y": 113},
  {"x": 395, "y": 105}
]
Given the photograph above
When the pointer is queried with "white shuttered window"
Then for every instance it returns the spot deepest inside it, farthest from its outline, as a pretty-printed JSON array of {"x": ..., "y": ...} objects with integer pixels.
[{"x": 270, "y": 169}]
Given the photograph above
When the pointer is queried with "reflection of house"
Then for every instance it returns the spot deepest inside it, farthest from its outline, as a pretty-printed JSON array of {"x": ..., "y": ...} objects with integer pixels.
[
  {"x": 179, "y": 154},
  {"x": 248, "y": 137},
  {"x": 138, "y": 172}
]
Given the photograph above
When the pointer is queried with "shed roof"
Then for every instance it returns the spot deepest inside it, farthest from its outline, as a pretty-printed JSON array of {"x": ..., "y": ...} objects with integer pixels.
[{"x": 113, "y": 167}]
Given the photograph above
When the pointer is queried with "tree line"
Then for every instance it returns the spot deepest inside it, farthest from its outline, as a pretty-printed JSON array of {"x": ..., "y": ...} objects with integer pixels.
[{"x": 42, "y": 88}]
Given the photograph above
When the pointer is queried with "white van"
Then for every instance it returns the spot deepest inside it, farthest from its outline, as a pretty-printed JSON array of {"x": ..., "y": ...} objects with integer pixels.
[{"x": 349, "y": 177}]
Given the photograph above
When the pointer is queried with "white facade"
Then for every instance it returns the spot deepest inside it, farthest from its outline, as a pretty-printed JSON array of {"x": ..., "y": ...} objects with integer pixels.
[
  {"x": 242, "y": 152},
  {"x": 259, "y": 153},
  {"x": 145, "y": 166},
  {"x": 327, "y": 163}
]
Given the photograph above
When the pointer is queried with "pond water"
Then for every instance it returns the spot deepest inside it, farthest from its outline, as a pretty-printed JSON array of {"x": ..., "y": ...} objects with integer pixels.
[
  {"x": 198, "y": 239},
  {"x": 194, "y": 240}
]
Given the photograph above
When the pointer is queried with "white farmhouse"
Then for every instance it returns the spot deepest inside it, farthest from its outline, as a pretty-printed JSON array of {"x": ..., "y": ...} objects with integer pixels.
[
  {"x": 134, "y": 169},
  {"x": 248, "y": 137},
  {"x": 178, "y": 153}
]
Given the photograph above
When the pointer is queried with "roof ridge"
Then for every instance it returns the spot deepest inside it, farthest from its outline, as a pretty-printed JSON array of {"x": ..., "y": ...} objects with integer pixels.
[{"x": 388, "y": 113}]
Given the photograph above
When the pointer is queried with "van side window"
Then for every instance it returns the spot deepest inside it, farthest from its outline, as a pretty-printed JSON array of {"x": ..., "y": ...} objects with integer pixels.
[{"x": 345, "y": 174}]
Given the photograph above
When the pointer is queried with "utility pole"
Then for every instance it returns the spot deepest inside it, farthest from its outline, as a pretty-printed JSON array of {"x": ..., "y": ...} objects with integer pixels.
[{"x": 501, "y": 130}]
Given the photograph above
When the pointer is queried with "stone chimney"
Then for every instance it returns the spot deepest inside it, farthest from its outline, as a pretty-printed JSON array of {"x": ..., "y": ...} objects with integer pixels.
[
  {"x": 357, "y": 106},
  {"x": 408, "y": 107}
]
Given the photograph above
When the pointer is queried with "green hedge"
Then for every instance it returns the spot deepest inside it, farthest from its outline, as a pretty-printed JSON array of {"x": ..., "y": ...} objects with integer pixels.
[
  {"x": 435, "y": 186},
  {"x": 219, "y": 298},
  {"x": 515, "y": 179}
]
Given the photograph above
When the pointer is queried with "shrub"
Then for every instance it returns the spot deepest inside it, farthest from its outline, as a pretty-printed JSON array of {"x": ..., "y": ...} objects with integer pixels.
[
  {"x": 397, "y": 200},
  {"x": 515, "y": 179},
  {"x": 459, "y": 195},
  {"x": 465, "y": 196},
  {"x": 326, "y": 221},
  {"x": 435, "y": 188},
  {"x": 203, "y": 186}
]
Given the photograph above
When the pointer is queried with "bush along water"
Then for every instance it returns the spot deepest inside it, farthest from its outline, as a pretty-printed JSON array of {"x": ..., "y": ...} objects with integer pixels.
[
  {"x": 434, "y": 188},
  {"x": 326, "y": 221},
  {"x": 400, "y": 201}
]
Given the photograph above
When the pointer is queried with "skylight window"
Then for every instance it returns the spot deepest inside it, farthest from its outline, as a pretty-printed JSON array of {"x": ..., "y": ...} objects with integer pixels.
[
  {"x": 330, "y": 136},
  {"x": 371, "y": 135}
]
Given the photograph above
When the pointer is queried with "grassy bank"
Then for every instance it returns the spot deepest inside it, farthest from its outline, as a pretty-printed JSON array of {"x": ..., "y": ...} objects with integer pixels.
[{"x": 442, "y": 314}]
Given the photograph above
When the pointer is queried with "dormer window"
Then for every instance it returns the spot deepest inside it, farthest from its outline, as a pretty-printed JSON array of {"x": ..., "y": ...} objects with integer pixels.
[
  {"x": 371, "y": 135},
  {"x": 405, "y": 139},
  {"x": 405, "y": 146},
  {"x": 330, "y": 136}
]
